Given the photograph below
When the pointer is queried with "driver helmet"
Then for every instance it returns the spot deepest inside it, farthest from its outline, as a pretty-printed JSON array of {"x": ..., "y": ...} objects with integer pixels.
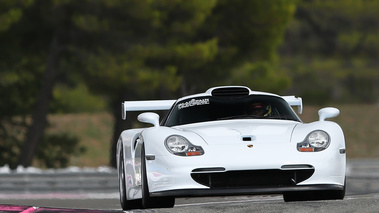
[{"x": 261, "y": 109}]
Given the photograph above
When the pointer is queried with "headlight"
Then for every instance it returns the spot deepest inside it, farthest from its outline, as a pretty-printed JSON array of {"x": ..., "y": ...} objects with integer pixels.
[
  {"x": 179, "y": 145},
  {"x": 314, "y": 142}
]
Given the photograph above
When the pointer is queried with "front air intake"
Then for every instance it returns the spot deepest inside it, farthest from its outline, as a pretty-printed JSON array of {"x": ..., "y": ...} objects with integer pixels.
[
  {"x": 230, "y": 92},
  {"x": 253, "y": 178}
]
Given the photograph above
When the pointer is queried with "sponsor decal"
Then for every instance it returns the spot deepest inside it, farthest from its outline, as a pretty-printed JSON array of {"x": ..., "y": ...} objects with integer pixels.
[{"x": 193, "y": 102}]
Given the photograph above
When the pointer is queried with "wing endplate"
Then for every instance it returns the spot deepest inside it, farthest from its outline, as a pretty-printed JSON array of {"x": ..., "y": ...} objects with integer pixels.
[
  {"x": 145, "y": 106},
  {"x": 295, "y": 101}
]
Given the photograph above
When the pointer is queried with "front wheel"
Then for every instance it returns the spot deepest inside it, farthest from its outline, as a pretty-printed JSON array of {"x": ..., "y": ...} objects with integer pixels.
[{"x": 152, "y": 202}]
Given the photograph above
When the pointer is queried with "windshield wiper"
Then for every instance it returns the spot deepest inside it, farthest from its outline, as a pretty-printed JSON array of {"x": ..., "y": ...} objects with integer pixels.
[
  {"x": 239, "y": 117},
  {"x": 282, "y": 117},
  {"x": 279, "y": 117}
]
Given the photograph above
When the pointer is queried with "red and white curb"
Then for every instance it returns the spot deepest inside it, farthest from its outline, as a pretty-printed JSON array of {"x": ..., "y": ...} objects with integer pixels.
[{"x": 33, "y": 209}]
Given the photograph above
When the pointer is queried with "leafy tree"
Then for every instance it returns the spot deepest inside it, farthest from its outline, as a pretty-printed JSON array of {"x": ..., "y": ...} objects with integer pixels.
[
  {"x": 18, "y": 74},
  {"x": 55, "y": 150},
  {"x": 75, "y": 99},
  {"x": 35, "y": 44},
  {"x": 145, "y": 46},
  {"x": 186, "y": 46},
  {"x": 52, "y": 40},
  {"x": 249, "y": 33},
  {"x": 335, "y": 28},
  {"x": 343, "y": 35},
  {"x": 141, "y": 48}
]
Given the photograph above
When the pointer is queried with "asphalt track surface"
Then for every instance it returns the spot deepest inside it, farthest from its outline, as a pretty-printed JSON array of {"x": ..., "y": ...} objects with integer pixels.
[{"x": 362, "y": 196}]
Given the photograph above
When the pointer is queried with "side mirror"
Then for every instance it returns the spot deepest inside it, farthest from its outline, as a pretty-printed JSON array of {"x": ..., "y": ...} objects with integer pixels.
[
  {"x": 328, "y": 112},
  {"x": 150, "y": 118}
]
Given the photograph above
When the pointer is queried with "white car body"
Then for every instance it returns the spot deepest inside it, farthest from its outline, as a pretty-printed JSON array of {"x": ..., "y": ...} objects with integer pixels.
[{"x": 236, "y": 156}]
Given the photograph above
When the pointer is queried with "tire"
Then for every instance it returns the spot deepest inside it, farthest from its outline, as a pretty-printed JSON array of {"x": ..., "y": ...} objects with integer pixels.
[
  {"x": 125, "y": 203},
  {"x": 152, "y": 202}
]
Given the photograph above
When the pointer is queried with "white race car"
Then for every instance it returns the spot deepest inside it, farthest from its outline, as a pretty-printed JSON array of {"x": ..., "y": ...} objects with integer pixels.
[{"x": 229, "y": 141}]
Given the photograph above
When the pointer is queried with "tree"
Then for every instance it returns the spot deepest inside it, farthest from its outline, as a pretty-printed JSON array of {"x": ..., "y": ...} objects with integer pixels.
[
  {"x": 338, "y": 41},
  {"x": 58, "y": 37},
  {"x": 335, "y": 28},
  {"x": 163, "y": 45},
  {"x": 248, "y": 33},
  {"x": 143, "y": 49},
  {"x": 143, "y": 46},
  {"x": 35, "y": 47},
  {"x": 18, "y": 75}
]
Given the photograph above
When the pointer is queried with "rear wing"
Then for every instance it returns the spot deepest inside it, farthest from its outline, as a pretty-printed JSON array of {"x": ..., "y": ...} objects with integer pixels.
[
  {"x": 293, "y": 101},
  {"x": 167, "y": 104},
  {"x": 145, "y": 106}
]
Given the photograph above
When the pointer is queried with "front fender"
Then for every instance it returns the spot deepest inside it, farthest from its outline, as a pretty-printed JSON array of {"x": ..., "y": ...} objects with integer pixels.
[
  {"x": 333, "y": 129},
  {"x": 128, "y": 139},
  {"x": 330, "y": 163},
  {"x": 127, "y": 144}
]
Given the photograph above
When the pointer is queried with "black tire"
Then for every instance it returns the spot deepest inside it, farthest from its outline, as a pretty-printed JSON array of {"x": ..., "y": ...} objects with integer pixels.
[
  {"x": 125, "y": 204},
  {"x": 152, "y": 202}
]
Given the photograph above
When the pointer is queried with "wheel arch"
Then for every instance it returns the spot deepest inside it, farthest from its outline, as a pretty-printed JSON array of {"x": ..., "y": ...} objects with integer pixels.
[{"x": 126, "y": 142}]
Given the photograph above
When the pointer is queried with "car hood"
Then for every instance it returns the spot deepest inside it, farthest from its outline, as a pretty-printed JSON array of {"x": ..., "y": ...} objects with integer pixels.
[{"x": 242, "y": 131}]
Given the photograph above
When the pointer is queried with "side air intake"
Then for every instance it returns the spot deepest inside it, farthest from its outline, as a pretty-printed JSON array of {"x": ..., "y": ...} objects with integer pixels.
[{"x": 230, "y": 92}]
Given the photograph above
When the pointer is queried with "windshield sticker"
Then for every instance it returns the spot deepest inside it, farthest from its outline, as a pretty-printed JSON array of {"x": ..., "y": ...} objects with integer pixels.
[{"x": 193, "y": 102}]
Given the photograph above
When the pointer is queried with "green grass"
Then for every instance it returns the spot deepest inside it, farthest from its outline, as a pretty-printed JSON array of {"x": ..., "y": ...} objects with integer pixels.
[
  {"x": 359, "y": 122},
  {"x": 94, "y": 132}
]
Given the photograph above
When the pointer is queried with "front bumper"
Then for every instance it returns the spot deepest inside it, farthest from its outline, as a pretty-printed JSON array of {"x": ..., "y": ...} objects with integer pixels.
[
  {"x": 237, "y": 169},
  {"x": 244, "y": 191}
]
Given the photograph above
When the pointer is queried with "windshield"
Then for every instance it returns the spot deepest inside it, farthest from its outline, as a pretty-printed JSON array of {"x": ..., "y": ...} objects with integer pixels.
[{"x": 209, "y": 108}]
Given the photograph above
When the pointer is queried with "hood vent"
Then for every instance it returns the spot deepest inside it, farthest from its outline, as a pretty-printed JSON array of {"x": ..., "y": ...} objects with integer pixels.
[{"x": 230, "y": 92}]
